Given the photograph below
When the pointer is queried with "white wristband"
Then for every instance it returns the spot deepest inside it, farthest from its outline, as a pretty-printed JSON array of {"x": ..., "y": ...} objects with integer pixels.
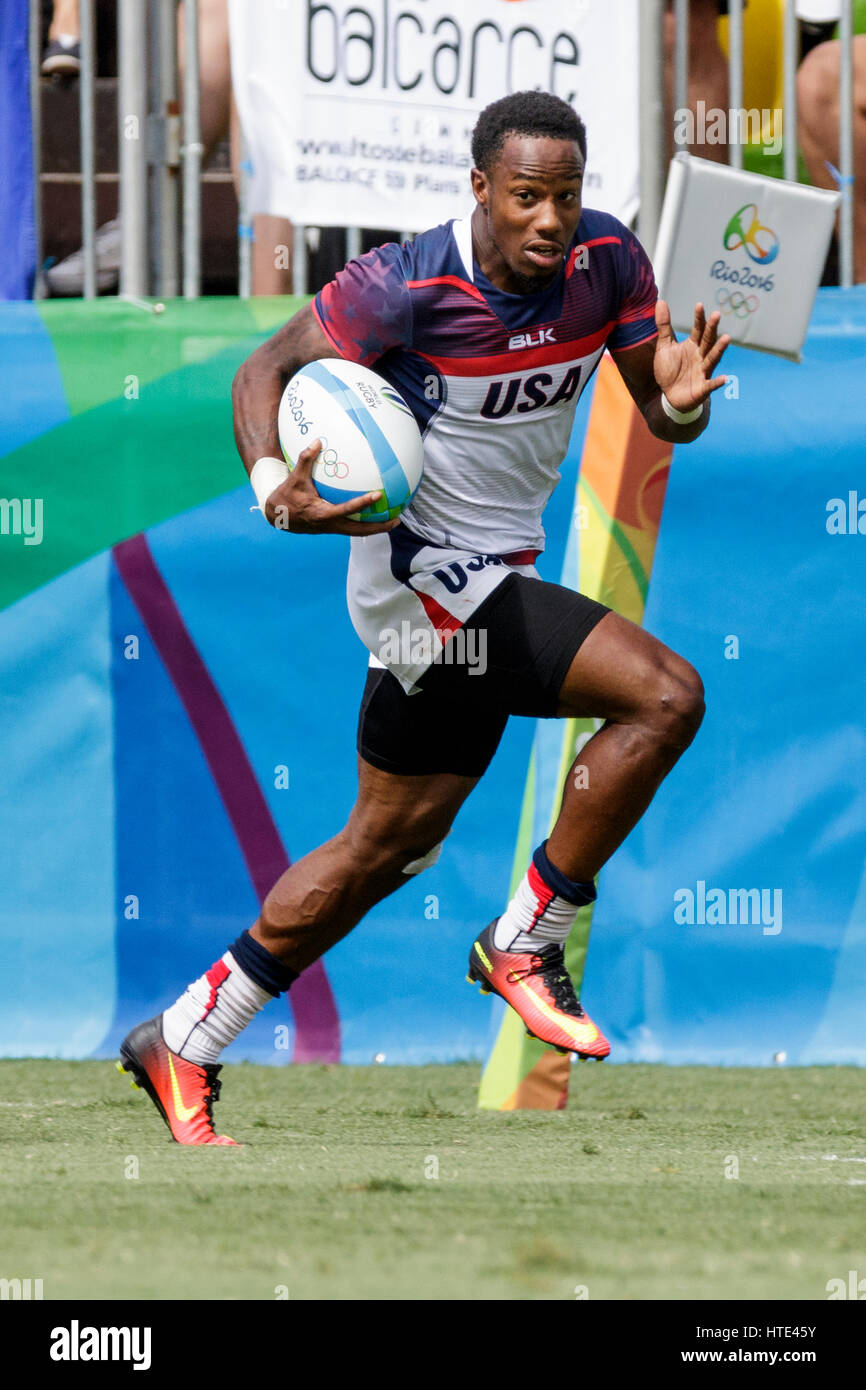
[
  {"x": 267, "y": 474},
  {"x": 680, "y": 417}
]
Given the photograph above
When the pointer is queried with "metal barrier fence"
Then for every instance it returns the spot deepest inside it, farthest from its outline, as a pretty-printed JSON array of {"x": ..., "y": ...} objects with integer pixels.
[{"x": 159, "y": 148}]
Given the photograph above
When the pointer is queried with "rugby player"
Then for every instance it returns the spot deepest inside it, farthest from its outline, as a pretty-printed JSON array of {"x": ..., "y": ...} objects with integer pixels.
[{"x": 491, "y": 328}]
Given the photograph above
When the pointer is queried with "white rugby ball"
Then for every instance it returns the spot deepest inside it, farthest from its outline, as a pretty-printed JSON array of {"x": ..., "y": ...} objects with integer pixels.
[{"x": 370, "y": 438}]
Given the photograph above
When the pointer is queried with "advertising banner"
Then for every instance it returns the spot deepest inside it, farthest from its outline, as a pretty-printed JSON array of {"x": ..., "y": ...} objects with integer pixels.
[{"x": 361, "y": 114}]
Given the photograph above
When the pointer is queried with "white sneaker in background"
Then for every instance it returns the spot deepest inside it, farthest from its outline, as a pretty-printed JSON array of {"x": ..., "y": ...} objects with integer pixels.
[
  {"x": 62, "y": 57},
  {"x": 67, "y": 277}
]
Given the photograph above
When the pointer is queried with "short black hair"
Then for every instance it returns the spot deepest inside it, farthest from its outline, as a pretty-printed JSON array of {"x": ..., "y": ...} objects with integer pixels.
[{"x": 523, "y": 113}]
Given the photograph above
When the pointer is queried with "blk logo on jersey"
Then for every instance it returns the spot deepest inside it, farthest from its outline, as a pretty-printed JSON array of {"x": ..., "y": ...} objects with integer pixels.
[
  {"x": 531, "y": 340},
  {"x": 521, "y": 395}
]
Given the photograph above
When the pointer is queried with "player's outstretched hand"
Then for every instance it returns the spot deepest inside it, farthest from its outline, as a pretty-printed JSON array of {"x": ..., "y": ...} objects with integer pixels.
[
  {"x": 296, "y": 505},
  {"x": 684, "y": 370}
]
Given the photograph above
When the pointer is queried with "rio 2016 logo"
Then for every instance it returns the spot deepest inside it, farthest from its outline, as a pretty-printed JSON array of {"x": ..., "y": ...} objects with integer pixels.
[{"x": 745, "y": 230}]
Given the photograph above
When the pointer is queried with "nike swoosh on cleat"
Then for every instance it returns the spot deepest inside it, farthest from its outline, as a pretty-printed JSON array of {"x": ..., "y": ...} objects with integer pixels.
[
  {"x": 183, "y": 1112},
  {"x": 580, "y": 1032},
  {"x": 480, "y": 951}
]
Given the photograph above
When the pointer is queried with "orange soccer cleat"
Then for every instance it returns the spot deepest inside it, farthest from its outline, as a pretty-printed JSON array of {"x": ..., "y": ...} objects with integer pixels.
[
  {"x": 539, "y": 988},
  {"x": 182, "y": 1092}
]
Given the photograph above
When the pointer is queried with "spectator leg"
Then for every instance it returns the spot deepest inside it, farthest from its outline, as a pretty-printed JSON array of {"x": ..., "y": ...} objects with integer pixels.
[
  {"x": 214, "y": 67},
  {"x": 708, "y": 72},
  {"x": 64, "y": 19},
  {"x": 818, "y": 129},
  {"x": 272, "y": 236}
]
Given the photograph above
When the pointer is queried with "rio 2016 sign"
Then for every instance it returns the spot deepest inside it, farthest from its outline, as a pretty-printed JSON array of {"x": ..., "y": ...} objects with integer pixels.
[{"x": 750, "y": 245}]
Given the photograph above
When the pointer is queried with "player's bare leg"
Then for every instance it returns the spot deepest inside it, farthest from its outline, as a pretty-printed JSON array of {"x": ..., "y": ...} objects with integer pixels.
[
  {"x": 395, "y": 826},
  {"x": 396, "y": 821},
  {"x": 652, "y": 703}
]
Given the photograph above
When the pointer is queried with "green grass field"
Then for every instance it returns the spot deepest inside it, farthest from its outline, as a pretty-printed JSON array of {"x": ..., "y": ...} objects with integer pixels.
[{"x": 625, "y": 1193}]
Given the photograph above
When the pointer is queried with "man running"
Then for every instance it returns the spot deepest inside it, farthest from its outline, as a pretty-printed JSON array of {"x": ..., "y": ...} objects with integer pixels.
[{"x": 490, "y": 328}]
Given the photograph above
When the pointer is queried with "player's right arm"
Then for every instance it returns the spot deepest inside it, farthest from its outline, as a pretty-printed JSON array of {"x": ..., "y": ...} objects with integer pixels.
[{"x": 256, "y": 394}]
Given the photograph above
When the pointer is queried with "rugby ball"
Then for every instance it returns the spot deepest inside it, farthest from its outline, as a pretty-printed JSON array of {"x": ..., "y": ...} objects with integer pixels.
[{"x": 370, "y": 439}]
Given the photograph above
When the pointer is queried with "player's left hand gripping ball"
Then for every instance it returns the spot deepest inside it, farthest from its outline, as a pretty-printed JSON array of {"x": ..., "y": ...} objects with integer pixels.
[{"x": 370, "y": 439}]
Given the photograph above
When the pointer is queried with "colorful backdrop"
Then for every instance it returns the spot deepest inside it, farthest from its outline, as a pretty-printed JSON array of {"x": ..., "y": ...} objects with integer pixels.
[{"x": 179, "y": 687}]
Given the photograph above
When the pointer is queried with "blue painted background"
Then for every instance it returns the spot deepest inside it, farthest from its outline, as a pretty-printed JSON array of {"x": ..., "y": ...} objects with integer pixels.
[{"x": 106, "y": 792}]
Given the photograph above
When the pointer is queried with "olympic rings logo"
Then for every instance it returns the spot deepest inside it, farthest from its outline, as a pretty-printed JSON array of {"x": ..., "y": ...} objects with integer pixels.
[
  {"x": 332, "y": 467},
  {"x": 745, "y": 230},
  {"x": 735, "y": 302}
]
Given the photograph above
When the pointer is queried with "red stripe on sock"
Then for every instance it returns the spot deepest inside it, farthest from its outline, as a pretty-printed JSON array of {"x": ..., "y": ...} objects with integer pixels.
[
  {"x": 216, "y": 976},
  {"x": 544, "y": 895}
]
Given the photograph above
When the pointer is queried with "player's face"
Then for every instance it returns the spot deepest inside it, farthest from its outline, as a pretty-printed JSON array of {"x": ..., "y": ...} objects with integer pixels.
[{"x": 529, "y": 208}]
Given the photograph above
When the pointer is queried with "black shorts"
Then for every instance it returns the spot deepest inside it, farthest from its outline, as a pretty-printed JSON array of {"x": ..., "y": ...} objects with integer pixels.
[{"x": 520, "y": 644}]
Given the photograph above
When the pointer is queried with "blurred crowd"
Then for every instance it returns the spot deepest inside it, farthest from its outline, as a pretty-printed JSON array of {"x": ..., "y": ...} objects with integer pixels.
[{"x": 817, "y": 123}]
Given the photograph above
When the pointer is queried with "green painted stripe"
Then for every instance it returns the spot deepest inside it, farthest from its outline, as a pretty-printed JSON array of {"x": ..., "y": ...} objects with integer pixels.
[
  {"x": 109, "y": 347},
  {"x": 124, "y": 466},
  {"x": 513, "y": 1057},
  {"x": 270, "y": 311},
  {"x": 151, "y": 428},
  {"x": 613, "y": 527}
]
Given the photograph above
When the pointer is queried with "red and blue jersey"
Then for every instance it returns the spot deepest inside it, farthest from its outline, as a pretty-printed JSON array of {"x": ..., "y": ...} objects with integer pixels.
[{"x": 492, "y": 378}]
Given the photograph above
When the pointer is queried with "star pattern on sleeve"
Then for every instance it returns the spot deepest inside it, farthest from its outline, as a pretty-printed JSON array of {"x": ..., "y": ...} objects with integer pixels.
[{"x": 366, "y": 307}]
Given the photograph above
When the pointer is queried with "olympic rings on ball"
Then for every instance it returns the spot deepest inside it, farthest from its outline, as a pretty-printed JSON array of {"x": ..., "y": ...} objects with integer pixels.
[
  {"x": 331, "y": 466},
  {"x": 735, "y": 302}
]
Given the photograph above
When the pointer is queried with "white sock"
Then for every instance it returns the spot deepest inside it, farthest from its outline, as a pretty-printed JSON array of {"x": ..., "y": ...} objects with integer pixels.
[
  {"x": 537, "y": 915},
  {"x": 212, "y": 1011}
]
